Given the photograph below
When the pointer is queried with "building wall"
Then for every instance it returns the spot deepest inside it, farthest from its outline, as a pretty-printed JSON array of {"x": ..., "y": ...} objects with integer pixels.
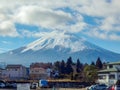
[
  {"x": 14, "y": 73},
  {"x": 103, "y": 78},
  {"x": 108, "y": 79},
  {"x": 111, "y": 77},
  {"x": 113, "y": 80},
  {"x": 38, "y": 73},
  {"x": 118, "y": 76}
]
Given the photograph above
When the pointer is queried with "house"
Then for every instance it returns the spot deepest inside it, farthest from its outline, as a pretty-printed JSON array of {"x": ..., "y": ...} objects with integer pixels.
[
  {"x": 109, "y": 75},
  {"x": 38, "y": 71},
  {"x": 14, "y": 72}
]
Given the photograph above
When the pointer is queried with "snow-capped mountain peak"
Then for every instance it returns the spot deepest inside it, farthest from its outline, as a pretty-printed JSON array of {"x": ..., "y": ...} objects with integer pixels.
[
  {"x": 54, "y": 46},
  {"x": 60, "y": 40}
]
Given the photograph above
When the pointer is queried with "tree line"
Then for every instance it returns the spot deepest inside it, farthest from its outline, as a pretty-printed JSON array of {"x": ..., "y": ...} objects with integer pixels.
[{"x": 77, "y": 70}]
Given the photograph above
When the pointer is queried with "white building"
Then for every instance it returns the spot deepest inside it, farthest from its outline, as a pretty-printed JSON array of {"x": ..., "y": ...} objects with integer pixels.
[
  {"x": 14, "y": 72},
  {"x": 109, "y": 75}
]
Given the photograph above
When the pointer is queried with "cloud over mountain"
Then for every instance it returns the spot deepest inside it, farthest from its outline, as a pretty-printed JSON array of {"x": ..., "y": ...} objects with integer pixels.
[{"x": 63, "y": 15}]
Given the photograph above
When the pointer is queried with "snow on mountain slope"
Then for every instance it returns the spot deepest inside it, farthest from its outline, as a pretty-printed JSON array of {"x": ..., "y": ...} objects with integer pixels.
[
  {"x": 58, "y": 46},
  {"x": 51, "y": 40}
]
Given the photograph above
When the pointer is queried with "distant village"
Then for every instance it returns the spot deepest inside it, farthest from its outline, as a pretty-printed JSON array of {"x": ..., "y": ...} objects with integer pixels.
[
  {"x": 39, "y": 70},
  {"x": 36, "y": 71},
  {"x": 96, "y": 72}
]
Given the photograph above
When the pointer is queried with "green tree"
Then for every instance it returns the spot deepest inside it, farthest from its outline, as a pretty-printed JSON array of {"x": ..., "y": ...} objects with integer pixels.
[{"x": 90, "y": 73}]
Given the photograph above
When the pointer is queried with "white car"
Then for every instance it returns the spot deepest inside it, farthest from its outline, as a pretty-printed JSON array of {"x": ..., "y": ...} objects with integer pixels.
[{"x": 34, "y": 85}]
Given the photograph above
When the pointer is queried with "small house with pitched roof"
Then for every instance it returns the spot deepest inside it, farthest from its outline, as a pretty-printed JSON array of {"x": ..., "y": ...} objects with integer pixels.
[{"x": 111, "y": 74}]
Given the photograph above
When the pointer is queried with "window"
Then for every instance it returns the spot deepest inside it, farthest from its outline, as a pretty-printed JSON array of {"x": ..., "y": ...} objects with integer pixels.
[
  {"x": 15, "y": 69},
  {"x": 110, "y": 66},
  {"x": 119, "y": 76},
  {"x": 36, "y": 71},
  {"x": 112, "y": 76},
  {"x": 102, "y": 77},
  {"x": 32, "y": 71}
]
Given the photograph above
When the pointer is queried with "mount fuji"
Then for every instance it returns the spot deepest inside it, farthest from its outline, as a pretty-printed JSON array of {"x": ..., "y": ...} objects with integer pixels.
[{"x": 51, "y": 47}]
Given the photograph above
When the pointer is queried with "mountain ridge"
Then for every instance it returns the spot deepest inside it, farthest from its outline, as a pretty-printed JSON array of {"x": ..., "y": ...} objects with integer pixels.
[{"x": 58, "y": 46}]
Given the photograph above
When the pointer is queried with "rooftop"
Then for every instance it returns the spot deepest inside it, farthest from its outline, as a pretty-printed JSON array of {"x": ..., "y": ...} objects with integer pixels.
[
  {"x": 109, "y": 70},
  {"x": 14, "y": 66},
  {"x": 114, "y": 63}
]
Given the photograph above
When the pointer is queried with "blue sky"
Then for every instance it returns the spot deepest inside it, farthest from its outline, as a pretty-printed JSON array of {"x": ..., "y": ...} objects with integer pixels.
[{"x": 23, "y": 21}]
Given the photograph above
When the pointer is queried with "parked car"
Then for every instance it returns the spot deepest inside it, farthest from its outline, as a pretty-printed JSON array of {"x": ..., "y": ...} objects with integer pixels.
[
  {"x": 2, "y": 85},
  {"x": 43, "y": 83},
  {"x": 115, "y": 86},
  {"x": 92, "y": 87},
  {"x": 101, "y": 87},
  {"x": 97, "y": 87},
  {"x": 34, "y": 85}
]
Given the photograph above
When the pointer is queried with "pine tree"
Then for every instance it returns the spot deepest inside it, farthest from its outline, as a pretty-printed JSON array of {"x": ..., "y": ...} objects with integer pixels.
[
  {"x": 57, "y": 65},
  {"x": 99, "y": 64},
  {"x": 62, "y": 67},
  {"x": 78, "y": 66},
  {"x": 69, "y": 60},
  {"x": 69, "y": 68},
  {"x": 93, "y": 63}
]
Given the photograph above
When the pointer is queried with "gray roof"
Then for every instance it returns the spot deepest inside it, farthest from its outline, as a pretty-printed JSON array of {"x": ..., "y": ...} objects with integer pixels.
[
  {"x": 13, "y": 66},
  {"x": 109, "y": 70},
  {"x": 114, "y": 63}
]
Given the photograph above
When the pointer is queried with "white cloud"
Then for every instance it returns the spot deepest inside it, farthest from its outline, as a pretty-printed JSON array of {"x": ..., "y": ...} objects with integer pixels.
[
  {"x": 49, "y": 14},
  {"x": 7, "y": 29},
  {"x": 96, "y": 33},
  {"x": 2, "y": 50},
  {"x": 110, "y": 24},
  {"x": 27, "y": 33},
  {"x": 114, "y": 37},
  {"x": 47, "y": 18},
  {"x": 6, "y": 42},
  {"x": 99, "y": 8}
]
